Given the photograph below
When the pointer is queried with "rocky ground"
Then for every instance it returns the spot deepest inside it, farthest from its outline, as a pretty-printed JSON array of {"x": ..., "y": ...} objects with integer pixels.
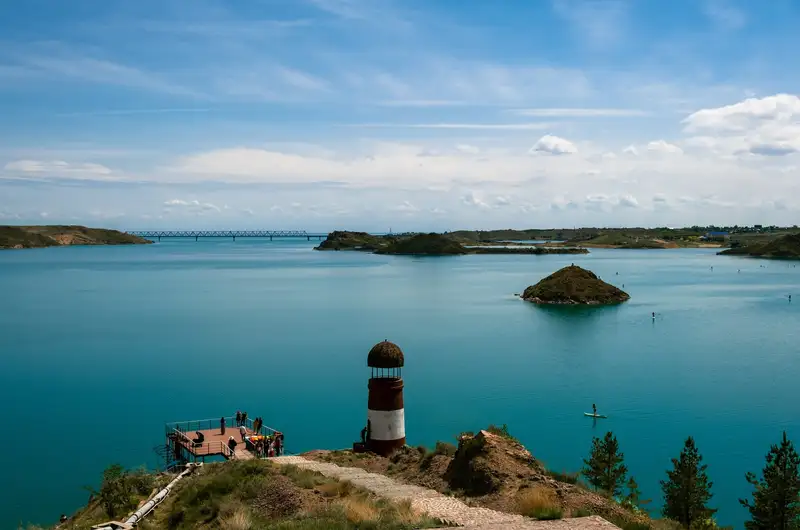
[{"x": 486, "y": 470}]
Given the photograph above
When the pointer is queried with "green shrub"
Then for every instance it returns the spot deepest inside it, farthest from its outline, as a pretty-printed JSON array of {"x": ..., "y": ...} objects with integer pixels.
[
  {"x": 501, "y": 431},
  {"x": 445, "y": 448},
  {"x": 121, "y": 489},
  {"x": 569, "y": 478}
]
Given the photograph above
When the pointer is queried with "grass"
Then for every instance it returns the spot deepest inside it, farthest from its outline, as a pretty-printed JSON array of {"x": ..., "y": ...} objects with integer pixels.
[
  {"x": 539, "y": 503},
  {"x": 569, "y": 478},
  {"x": 501, "y": 431},
  {"x": 302, "y": 477},
  {"x": 238, "y": 519},
  {"x": 441, "y": 448}
]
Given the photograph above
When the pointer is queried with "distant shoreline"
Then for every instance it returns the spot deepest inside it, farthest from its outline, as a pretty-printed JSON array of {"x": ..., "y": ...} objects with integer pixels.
[{"x": 24, "y": 237}]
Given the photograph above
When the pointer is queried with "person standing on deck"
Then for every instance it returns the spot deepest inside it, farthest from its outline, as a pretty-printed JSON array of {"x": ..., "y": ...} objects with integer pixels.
[
  {"x": 238, "y": 418},
  {"x": 244, "y": 418},
  {"x": 278, "y": 439},
  {"x": 242, "y": 432},
  {"x": 222, "y": 425}
]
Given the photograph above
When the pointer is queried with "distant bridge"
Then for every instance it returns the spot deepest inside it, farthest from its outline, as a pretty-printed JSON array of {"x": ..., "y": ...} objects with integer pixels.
[{"x": 197, "y": 234}]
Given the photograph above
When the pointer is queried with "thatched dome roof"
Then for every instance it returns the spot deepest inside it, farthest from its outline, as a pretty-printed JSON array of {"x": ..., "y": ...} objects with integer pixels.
[{"x": 385, "y": 355}]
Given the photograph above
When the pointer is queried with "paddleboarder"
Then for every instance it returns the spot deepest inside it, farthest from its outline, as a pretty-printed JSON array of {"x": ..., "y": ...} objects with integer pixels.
[{"x": 594, "y": 409}]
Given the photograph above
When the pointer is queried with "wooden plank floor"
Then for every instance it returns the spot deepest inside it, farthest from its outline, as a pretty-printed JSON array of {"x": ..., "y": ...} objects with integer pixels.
[{"x": 214, "y": 440}]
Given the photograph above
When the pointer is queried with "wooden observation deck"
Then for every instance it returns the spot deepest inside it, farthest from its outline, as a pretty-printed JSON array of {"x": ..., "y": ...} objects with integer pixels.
[{"x": 181, "y": 447}]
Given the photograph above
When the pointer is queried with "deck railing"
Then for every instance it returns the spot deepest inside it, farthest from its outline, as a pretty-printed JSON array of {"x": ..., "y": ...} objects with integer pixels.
[
  {"x": 185, "y": 429},
  {"x": 204, "y": 448},
  {"x": 210, "y": 424}
]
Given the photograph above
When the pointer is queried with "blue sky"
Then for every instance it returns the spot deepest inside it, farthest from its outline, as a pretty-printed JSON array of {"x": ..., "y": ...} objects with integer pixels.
[{"x": 364, "y": 114}]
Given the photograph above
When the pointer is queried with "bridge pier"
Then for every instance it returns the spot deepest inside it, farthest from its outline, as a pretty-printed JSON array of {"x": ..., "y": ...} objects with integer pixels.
[
  {"x": 159, "y": 238},
  {"x": 195, "y": 238},
  {"x": 234, "y": 239},
  {"x": 270, "y": 238}
]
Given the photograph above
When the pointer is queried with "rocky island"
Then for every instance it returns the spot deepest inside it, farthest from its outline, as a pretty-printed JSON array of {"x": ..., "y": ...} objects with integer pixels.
[
  {"x": 431, "y": 244},
  {"x": 17, "y": 237},
  {"x": 784, "y": 247},
  {"x": 574, "y": 285}
]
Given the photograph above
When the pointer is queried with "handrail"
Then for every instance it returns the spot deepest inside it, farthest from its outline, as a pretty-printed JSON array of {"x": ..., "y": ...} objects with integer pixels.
[
  {"x": 182, "y": 430},
  {"x": 224, "y": 449}
]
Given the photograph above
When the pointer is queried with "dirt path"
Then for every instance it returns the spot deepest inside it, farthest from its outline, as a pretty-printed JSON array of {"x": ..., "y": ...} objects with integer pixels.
[{"x": 437, "y": 505}]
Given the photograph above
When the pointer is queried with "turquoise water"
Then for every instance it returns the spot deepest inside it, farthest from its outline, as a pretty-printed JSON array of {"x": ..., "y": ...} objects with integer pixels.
[{"x": 99, "y": 346}]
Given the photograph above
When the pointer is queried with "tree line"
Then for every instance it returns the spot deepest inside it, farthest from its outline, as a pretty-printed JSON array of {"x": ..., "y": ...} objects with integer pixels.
[{"x": 775, "y": 503}]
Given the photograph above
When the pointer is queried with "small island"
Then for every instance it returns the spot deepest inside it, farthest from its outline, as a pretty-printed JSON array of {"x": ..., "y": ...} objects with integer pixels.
[
  {"x": 574, "y": 285},
  {"x": 18, "y": 237},
  {"x": 431, "y": 244},
  {"x": 784, "y": 247},
  {"x": 424, "y": 245}
]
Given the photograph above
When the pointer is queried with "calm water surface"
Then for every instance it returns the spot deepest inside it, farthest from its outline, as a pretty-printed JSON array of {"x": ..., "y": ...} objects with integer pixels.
[{"x": 99, "y": 346}]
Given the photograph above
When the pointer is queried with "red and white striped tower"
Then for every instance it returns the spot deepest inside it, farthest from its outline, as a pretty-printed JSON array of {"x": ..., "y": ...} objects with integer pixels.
[{"x": 386, "y": 425}]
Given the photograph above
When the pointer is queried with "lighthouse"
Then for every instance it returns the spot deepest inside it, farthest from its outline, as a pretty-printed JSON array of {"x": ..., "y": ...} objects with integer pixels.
[{"x": 385, "y": 430}]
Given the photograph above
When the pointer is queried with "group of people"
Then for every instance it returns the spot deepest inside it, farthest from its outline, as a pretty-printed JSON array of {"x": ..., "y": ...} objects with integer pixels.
[
  {"x": 266, "y": 446},
  {"x": 241, "y": 418}
]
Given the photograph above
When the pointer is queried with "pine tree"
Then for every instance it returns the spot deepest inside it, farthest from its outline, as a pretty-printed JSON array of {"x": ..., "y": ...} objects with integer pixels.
[
  {"x": 687, "y": 489},
  {"x": 634, "y": 497},
  {"x": 776, "y": 497},
  {"x": 604, "y": 468}
]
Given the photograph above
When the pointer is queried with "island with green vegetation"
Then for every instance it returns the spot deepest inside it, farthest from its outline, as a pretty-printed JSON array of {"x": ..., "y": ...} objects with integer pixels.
[
  {"x": 629, "y": 237},
  {"x": 431, "y": 244},
  {"x": 18, "y": 237},
  {"x": 574, "y": 285},
  {"x": 423, "y": 245},
  {"x": 784, "y": 247}
]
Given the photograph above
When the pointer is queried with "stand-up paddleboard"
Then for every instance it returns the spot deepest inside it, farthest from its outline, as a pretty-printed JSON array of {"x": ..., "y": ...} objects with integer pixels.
[{"x": 594, "y": 415}]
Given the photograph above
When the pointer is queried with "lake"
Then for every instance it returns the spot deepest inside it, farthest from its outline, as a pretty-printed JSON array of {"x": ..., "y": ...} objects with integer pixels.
[{"x": 100, "y": 346}]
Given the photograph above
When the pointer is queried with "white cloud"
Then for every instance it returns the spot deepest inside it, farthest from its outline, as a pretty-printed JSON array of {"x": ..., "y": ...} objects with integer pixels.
[
  {"x": 628, "y": 201},
  {"x": 405, "y": 207},
  {"x": 741, "y": 116},
  {"x": 631, "y": 150},
  {"x": 554, "y": 145},
  {"x": 600, "y": 23},
  {"x": 471, "y": 199},
  {"x": 768, "y": 126},
  {"x": 193, "y": 206},
  {"x": 469, "y": 149},
  {"x": 662, "y": 146},
  {"x": 580, "y": 113},
  {"x": 420, "y": 103},
  {"x": 723, "y": 14},
  {"x": 57, "y": 168},
  {"x": 476, "y": 126},
  {"x": 56, "y": 59}
]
